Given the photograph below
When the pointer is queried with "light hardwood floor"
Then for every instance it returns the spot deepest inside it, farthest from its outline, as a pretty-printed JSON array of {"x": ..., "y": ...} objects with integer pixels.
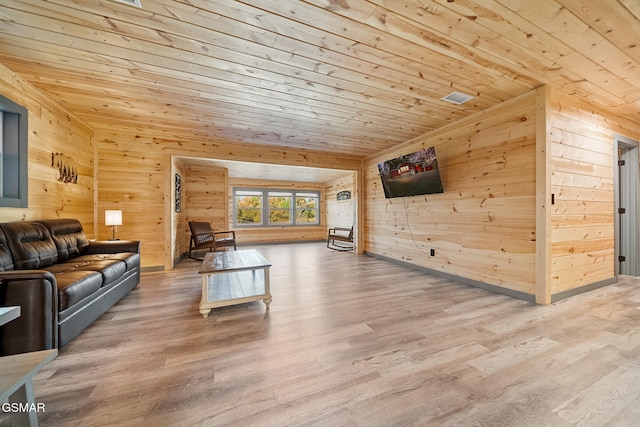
[{"x": 349, "y": 341}]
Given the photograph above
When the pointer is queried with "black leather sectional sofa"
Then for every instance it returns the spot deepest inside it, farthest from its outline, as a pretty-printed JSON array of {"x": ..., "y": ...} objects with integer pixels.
[{"x": 61, "y": 280}]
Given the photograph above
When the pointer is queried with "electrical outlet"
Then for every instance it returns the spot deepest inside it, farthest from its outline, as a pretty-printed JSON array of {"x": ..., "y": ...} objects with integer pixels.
[{"x": 433, "y": 252}]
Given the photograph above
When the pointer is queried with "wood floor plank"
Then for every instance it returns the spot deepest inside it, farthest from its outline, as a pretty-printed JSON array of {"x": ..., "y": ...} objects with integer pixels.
[
  {"x": 348, "y": 340},
  {"x": 605, "y": 398}
]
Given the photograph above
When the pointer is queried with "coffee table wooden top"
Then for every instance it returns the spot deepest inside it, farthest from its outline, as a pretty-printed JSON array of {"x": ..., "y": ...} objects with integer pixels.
[
  {"x": 9, "y": 313},
  {"x": 247, "y": 259}
]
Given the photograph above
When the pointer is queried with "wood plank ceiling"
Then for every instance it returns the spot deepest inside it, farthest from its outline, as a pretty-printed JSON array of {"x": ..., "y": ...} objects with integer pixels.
[{"x": 344, "y": 76}]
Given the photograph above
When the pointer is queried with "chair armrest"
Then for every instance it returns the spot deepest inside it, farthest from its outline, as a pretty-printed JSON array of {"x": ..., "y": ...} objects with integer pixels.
[
  {"x": 36, "y": 292},
  {"x": 113, "y": 246},
  {"x": 232, "y": 232},
  {"x": 339, "y": 231}
]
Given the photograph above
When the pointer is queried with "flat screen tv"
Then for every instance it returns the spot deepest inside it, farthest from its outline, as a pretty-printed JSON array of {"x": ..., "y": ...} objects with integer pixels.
[{"x": 411, "y": 175}]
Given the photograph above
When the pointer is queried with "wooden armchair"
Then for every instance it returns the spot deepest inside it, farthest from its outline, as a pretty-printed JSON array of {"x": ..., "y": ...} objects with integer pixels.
[
  {"x": 203, "y": 237},
  {"x": 340, "y": 239}
]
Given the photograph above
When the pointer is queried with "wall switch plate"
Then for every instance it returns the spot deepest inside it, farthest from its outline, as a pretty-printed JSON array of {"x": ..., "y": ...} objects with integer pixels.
[{"x": 433, "y": 252}]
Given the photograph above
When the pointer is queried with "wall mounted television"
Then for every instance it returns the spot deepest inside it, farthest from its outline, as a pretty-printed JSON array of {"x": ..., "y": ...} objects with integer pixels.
[{"x": 411, "y": 175}]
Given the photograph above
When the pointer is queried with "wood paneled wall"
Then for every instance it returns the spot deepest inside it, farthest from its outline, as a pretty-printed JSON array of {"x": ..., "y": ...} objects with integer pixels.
[
  {"x": 582, "y": 181},
  {"x": 278, "y": 234},
  {"x": 52, "y": 129},
  {"x": 483, "y": 227},
  {"x": 135, "y": 174},
  {"x": 340, "y": 213},
  {"x": 204, "y": 197}
]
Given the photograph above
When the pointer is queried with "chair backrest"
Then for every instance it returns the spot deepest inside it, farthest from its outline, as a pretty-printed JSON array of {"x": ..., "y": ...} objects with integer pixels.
[
  {"x": 201, "y": 232},
  {"x": 350, "y": 236}
]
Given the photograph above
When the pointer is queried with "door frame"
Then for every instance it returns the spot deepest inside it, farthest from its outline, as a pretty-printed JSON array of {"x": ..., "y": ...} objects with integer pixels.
[{"x": 623, "y": 142}]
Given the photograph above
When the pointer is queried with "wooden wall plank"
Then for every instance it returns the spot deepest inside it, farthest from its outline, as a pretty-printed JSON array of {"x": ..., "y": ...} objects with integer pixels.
[
  {"x": 134, "y": 172},
  {"x": 483, "y": 226},
  {"x": 52, "y": 129},
  {"x": 205, "y": 195},
  {"x": 340, "y": 213},
  {"x": 582, "y": 167}
]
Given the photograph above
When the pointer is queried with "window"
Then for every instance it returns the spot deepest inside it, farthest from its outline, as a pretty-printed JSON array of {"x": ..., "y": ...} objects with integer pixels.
[
  {"x": 248, "y": 207},
  {"x": 282, "y": 207},
  {"x": 306, "y": 208},
  {"x": 13, "y": 154}
]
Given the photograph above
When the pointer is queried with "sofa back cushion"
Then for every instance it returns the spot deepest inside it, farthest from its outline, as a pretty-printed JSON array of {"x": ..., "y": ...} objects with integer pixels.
[
  {"x": 30, "y": 244},
  {"x": 68, "y": 236},
  {"x": 6, "y": 260}
]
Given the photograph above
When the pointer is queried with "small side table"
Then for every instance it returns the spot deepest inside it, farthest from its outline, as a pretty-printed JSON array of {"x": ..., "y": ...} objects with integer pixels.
[{"x": 16, "y": 374}]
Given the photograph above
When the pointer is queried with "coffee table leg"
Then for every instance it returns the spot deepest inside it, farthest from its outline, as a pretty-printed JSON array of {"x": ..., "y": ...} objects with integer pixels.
[
  {"x": 205, "y": 296},
  {"x": 267, "y": 301},
  {"x": 24, "y": 395}
]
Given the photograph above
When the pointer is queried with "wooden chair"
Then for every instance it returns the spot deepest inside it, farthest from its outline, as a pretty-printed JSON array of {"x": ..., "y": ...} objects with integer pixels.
[
  {"x": 203, "y": 237},
  {"x": 340, "y": 239}
]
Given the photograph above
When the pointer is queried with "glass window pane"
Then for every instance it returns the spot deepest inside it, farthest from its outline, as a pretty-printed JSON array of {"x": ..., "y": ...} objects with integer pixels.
[
  {"x": 280, "y": 202},
  {"x": 306, "y": 208},
  {"x": 280, "y": 216},
  {"x": 280, "y": 194},
  {"x": 248, "y": 208},
  {"x": 306, "y": 202},
  {"x": 306, "y": 216},
  {"x": 248, "y": 193},
  {"x": 280, "y": 207}
]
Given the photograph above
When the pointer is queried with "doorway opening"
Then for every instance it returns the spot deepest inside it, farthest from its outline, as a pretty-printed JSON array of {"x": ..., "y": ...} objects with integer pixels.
[{"x": 627, "y": 251}]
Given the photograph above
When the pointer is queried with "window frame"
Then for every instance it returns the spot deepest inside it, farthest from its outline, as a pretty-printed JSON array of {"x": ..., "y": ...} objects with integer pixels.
[
  {"x": 235, "y": 207},
  {"x": 266, "y": 208},
  {"x": 14, "y": 159}
]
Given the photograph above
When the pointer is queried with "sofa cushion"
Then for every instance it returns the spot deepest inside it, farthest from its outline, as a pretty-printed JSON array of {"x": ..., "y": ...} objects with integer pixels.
[
  {"x": 131, "y": 259},
  {"x": 6, "y": 260},
  {"x": 68, "y": 236},
  {"x": 30, "y": 244},
  {"x": 74, "y": 286},
  {"x": 110, "y": 269}
]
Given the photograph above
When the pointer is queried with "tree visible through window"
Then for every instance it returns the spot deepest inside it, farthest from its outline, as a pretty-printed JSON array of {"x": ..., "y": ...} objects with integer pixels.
[
  {"x": 282, "y": 208},
  {"x": 306, "y": 208},
  {"x": 248, "y": 206}
]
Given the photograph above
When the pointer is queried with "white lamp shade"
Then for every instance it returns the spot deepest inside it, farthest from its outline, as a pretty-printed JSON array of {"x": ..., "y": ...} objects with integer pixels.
[{"x": 112, "y": 217}]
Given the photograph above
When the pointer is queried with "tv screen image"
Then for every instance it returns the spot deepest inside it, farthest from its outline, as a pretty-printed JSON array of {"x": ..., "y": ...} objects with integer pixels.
[{"x": 411, "y": 175}]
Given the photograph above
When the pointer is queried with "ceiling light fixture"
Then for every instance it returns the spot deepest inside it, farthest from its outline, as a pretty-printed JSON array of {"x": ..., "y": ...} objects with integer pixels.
[{"x": 457, "y": 98}]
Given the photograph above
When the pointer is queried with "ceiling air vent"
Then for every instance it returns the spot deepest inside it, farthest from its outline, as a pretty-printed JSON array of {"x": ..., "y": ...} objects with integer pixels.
[
  {"x": 135, "y": 3},
  {"x": 457, "y": 98}
]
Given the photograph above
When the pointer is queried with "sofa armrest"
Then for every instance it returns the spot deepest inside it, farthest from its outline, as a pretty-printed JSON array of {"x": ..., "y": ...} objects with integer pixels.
[
  {"x": 113, "y": 246},
  {"x": 36, "y": 292}
]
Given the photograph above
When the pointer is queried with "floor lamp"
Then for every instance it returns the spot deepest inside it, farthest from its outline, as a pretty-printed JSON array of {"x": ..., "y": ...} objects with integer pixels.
[{"x": 113, "y": 218}]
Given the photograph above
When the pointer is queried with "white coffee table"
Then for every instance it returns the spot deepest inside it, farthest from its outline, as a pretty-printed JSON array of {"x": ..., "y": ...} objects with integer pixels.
[
  {"x": 234, "y": 277},
  {"x": 16, "y": 374},
  {"x": 7, "y": 314}
]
